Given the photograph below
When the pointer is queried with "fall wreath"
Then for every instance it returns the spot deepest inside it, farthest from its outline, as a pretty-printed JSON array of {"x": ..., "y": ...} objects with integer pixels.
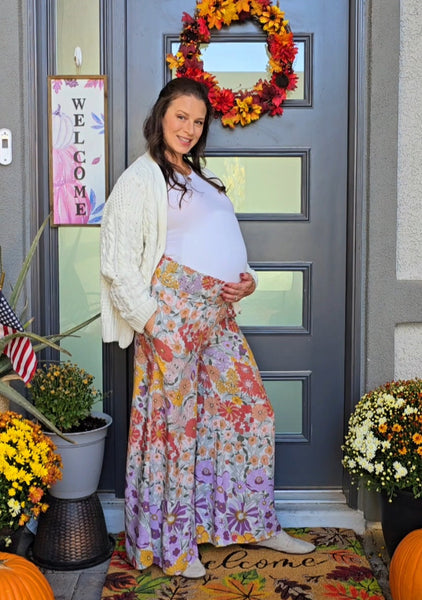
[{"x": 267, "y": 96}]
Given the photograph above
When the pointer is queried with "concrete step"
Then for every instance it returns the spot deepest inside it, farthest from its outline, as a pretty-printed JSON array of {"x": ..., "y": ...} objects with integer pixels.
[{"x": 295, "y": 508}]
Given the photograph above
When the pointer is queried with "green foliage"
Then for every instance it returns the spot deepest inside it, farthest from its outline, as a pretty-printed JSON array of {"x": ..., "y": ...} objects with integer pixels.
[{"x": 64, "y": 393}]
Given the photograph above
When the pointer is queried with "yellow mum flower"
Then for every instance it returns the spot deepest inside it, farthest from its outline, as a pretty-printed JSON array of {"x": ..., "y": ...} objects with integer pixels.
[
  {"x": 248, "y": 111},
  {"x": 417, "y": 438},
  {"x": 275, "y": 66},
  {"x": 256, "y": 8},
  {"x": 272, "y": 19},
  {"x": 23, "y": 519},
  {"x": 217, "y": 12},
  {"x": 242, "y": 6}
]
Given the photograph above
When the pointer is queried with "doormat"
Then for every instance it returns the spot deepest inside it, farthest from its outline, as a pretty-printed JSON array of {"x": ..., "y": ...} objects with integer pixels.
[{"x": 338, "y": 569}]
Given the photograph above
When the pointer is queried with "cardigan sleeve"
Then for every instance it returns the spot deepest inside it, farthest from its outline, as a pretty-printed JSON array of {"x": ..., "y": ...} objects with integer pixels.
[{"x": 122, "y": 245}]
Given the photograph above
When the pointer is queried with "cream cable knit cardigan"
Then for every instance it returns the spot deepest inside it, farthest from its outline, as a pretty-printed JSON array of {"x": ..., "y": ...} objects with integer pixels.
[{"x": 133, "y": 239}]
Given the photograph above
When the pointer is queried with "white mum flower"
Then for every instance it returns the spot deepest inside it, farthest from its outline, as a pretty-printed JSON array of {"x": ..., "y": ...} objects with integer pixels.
[
  {"x": 15, "y": 507},
  {"x": 400, "y": 470},
  {"x": 365, "y": 464},
  {"x": 369, "y": 445}
]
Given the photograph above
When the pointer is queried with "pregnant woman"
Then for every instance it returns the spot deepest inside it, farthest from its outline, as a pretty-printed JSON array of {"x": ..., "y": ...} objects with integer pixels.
[{"x": 173, "y": 263}]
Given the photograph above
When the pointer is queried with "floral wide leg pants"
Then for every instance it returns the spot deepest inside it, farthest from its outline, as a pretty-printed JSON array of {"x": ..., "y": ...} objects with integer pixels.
[{"x": 201, "y": 440}]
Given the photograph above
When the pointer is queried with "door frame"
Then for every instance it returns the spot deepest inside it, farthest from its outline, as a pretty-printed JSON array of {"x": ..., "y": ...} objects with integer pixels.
[{"x": 44, "y": 276}]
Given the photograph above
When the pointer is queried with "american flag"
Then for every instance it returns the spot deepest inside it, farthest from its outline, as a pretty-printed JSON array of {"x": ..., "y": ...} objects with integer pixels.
[{"x": 19, "y": 350}]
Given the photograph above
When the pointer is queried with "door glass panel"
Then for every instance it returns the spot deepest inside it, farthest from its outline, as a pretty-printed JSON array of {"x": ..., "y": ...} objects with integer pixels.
[
  {"x": 78, "y": 25},
  {"x": 299, "y": 69},
  {"x": 276, "y": 302},
  {"x": 246, "y": 176},
  {"x": 236, "y": 65},
  {"x": 239, "y": 65},
  {"x": 287, "y": 400}
]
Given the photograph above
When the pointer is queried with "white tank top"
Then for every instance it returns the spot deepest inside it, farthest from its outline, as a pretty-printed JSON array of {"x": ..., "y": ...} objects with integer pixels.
[{"x": 203, "y": 233}]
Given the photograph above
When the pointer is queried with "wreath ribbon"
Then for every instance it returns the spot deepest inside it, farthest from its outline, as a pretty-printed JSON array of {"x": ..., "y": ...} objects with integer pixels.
[{"x": 267, "y": 96}]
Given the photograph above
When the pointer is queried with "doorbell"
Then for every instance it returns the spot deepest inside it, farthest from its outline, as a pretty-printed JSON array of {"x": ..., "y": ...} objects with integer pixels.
[{"x": 5, "y": 146}]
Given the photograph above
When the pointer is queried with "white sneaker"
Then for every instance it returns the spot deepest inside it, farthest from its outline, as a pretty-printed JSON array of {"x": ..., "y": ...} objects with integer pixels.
[
  {"x": 195, "y": 570},
  {"x": 285, "y": 543}
]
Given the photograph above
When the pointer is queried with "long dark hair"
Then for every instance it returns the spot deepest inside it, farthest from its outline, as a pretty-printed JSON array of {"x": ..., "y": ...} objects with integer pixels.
[{"x": 153, "y": 132}]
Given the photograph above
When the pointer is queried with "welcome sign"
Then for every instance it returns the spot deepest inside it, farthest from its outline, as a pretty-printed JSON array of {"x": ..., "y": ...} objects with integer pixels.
[{"x": 78, "y": 149}]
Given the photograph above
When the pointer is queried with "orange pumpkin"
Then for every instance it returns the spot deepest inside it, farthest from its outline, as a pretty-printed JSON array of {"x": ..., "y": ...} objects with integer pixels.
[
  {"x": 406, "y": 568},
  {"x": 22, "y": 580}
]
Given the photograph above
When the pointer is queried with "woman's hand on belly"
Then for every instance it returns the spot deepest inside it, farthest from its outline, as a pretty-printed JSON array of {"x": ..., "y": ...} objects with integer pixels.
[{"x": 233, "y": 292}]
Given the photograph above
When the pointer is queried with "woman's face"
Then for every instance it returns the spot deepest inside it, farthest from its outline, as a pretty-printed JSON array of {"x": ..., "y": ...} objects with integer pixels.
[{"x": 183, "y": 124}]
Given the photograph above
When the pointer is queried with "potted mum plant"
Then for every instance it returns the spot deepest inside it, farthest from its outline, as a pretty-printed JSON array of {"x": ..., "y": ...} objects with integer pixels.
[
  {"x": 73, "y": 533},
  {"x": 383, "y": 452},
  {"x": 29, "y": 466},
  {"x": 65, "y": 394}
]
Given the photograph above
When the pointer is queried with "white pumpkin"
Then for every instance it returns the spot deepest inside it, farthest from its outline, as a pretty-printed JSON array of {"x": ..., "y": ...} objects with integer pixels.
[{"x": 62, "y": 129}]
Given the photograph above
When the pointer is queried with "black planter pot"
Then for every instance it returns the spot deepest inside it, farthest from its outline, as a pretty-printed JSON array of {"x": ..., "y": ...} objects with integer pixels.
[
  {"x": 399, "y": 517},
  {"x": 21, "y": 540}
]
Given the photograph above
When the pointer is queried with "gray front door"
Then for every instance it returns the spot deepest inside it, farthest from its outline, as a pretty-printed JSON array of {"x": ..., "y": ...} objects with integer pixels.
[{"x": 288, "y": 176}]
